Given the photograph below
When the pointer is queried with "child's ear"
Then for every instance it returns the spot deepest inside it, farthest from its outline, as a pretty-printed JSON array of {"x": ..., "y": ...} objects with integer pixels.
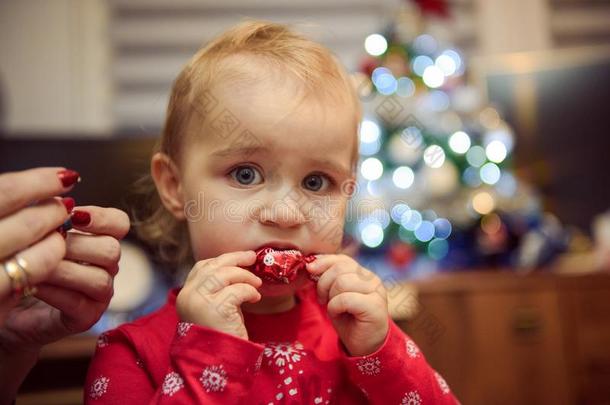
[{"x": 167, "y": 179}]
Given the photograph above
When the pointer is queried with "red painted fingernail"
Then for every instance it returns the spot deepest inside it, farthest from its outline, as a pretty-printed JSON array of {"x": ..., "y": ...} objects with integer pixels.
[
  {"x": 81, "y": 218},
  {"x": 68, "y": 177},
  {"x": 69, "y": 203}
]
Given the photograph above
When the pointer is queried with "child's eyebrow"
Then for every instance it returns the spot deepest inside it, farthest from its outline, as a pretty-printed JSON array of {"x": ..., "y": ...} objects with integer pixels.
[
  {"x": 330, "y": 165},
  {"x": 241, "y": 151}
]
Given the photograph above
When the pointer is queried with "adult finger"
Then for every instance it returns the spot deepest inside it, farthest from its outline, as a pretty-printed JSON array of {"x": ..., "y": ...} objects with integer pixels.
[
  {"x": 101, "y": 221},
  {"x": 30, "y": 224},
  {"x": 43, "y": 257},
  {"x": 99, "y": 250},
  {"x": 79, "y": 312},
  {"x": 92, "y": 281},
  {"x": 18, "y": 189}
]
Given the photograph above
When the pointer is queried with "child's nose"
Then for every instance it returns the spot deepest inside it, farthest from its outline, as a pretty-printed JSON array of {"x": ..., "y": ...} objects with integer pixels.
[{"x": 284, "y": 213}]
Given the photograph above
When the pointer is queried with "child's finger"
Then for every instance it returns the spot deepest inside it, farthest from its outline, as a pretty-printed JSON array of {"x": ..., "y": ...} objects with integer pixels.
[
  {"x": 350, "y": 282},
  {"x": 240, "y": 258},
  {"x": 323, "y": 262},
  {"x": 213, "y": 281},
  {"x": 236, "y": 294},
  {"x": 326, "y": 281},
  {"x": 353, "y": 303}
]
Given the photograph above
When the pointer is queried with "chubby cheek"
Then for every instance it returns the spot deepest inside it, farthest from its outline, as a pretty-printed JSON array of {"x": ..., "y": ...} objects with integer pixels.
[{"x": 212, "y": 239}]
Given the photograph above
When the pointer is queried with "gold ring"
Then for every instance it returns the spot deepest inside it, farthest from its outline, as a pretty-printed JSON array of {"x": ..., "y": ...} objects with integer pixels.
[{"x": 16, "y": 270}]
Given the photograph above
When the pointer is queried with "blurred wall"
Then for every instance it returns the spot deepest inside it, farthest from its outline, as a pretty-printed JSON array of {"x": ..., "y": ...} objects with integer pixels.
[
  {"x": 54, "y": 66},
  {"x": 95, "y": 67}
]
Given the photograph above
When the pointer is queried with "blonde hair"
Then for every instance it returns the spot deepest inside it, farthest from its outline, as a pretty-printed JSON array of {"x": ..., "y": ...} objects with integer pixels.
[{"x": 313, "y": 66}]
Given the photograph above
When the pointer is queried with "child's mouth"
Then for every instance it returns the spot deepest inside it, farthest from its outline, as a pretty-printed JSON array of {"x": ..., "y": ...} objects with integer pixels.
[{"x": 279, "y": 265}]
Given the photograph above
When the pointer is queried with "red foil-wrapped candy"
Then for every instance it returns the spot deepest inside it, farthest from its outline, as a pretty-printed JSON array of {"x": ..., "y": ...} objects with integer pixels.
[{"x": 279, "y": 266}]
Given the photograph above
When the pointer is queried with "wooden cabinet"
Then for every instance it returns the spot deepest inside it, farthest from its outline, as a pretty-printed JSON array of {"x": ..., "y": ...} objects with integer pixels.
[{"x": 502, "y": 338}]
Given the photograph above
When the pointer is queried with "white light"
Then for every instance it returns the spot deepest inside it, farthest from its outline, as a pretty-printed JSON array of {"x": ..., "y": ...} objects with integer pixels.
[
  {"x": 459, "y": 142},
  {"x": 476, "y": 156},
  {"x": 420, "y": 63},
  {"x": 372, "y": 235},
  {"x": 369, "y": 131},
  {"x": 371, "y": 169},
  {"x": 434, "y": 156},
  {"x": 375, "y": 44},
  {"x": 496, "y": 151},
  {"x": 446, "y": 64},
  {"x": 433, "y": 77},
  {"x": 397, "y": 211},
  {"x": 490, "y": 173},
  {"x": 403, "y": 177},
  {"x": 457, "y": 59},
  {"x": 410, "y": 220}
]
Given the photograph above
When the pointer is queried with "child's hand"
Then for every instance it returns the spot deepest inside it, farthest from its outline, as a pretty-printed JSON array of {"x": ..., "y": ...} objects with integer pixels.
[
  {"x": 357, "y": 302},
  {"x": 214, "y": 291}
]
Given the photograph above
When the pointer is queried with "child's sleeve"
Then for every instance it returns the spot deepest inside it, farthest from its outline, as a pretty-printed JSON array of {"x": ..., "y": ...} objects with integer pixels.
[
  {"x": 397, "y": 373},
  {"x": 206, "y": 366}
]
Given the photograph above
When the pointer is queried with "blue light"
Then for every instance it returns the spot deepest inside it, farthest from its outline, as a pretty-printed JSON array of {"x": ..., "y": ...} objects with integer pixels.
[
  {"x": 420, "y": 63},
  {"x": 386, "y": 84},
  {"x": 490, "y": 173},
  {"x": 397, "y": 211},
  {"x": 425, "y": 231},
  {"x": 411, "y": 219},
  {"x": 442, "y": 228}
]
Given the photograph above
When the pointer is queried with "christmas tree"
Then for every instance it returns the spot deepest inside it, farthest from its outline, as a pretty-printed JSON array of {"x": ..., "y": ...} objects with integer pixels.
[{"x": 435, "y": 184}]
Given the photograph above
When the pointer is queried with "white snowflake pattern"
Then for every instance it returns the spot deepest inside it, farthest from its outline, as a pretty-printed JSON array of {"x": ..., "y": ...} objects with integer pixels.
[
  {"x": 369, "y": 366},
  {"x": 102, "y": 340},
  {"x": 172, "y": 383},
  {"x": 183, "y": 328},
  {"x": 214, "y": 378},
  {"x": 284, "y": 354},
  {"x": 139, "y": 362},
  {"x": 99, "y": 387},
  {"x": 411, "y": 398},
  {"x": 442, "y": 383},
  {"x": 412, "y": 349},
  {"x": 259, "y": 363}
]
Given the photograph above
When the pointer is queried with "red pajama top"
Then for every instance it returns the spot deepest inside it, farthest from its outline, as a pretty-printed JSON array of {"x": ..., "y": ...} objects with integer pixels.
[{"x": 294, "y": 357}]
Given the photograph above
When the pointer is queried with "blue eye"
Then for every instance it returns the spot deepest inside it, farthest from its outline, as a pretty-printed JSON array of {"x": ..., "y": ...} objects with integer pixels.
[
  {"x": 246, "y": 175},
  {"x": 315, "y": 182}
]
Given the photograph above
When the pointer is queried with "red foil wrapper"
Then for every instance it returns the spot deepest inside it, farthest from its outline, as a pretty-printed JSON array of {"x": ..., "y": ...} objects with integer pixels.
[{"x": 280, "y": 266}]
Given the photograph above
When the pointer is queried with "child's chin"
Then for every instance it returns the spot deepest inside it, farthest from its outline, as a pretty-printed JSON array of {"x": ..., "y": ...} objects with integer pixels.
[{"x": 276, "y": 290}]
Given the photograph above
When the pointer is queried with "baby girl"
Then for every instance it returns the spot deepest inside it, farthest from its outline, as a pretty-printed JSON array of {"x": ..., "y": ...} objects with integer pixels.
[{"x": 252, "y": 178}]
